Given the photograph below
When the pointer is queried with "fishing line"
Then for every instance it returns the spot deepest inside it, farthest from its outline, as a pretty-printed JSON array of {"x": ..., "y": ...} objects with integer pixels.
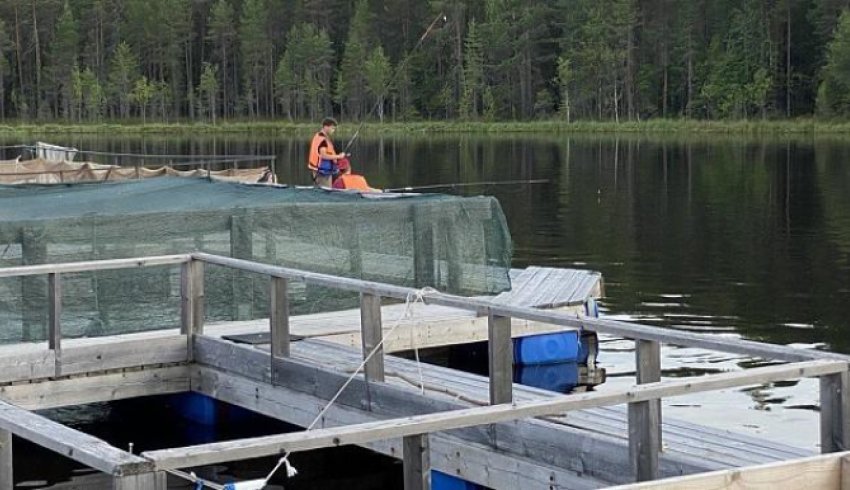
[
  {"x": 467, "y": 184},
  {"x": 387, "y": 85}
]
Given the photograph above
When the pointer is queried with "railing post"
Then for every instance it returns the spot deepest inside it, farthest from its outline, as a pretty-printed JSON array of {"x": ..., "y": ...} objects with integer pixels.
[
  {"x": 648, "y": 362},
  {"x": 145, "y": 481},
  {"x": 371, "y": 334},
  {"x": 645, "y": 417},
  {"x": 835, "y": 412},
  {"x": 416, "y": 456},
  {"x": 279, "y": 317},
  {"x": 501, "y": 358},
  {"x": 54, "y": 315},
  {"x": 191, "y": 301},
  {"x": 6, "y": 479}
]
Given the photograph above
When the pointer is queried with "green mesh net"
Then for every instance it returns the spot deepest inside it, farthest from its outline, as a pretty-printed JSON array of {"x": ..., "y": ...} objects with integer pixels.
[{"x": 455, "y": 244}]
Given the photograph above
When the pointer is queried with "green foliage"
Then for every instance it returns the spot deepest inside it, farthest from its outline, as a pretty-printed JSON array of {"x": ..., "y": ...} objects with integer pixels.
[
  {"x": 619, "y": 60},
  {"x": 208, "y": 91},
  {"x": 833, "y": 97}
]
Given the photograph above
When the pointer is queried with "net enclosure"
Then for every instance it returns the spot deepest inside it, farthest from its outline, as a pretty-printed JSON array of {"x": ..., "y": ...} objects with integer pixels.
[{"x": 455, "y": 244}]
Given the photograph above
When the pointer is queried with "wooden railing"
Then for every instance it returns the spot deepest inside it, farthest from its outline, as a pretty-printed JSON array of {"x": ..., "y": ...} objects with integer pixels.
[{"x": 643, "y": 400}]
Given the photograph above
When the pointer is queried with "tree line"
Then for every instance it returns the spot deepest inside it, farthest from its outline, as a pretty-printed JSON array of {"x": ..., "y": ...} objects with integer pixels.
[{"x": 167, "y": 60}]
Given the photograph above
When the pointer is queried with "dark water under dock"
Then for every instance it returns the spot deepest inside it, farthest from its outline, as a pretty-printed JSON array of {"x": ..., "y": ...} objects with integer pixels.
[{"x": 727, "y": 235}]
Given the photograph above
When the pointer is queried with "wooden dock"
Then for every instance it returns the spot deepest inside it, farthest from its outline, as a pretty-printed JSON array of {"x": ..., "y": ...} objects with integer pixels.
[{"x": 483, "y": 429}]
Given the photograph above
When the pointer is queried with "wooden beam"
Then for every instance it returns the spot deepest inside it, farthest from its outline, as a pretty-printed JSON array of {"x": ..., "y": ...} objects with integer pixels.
[
  {"x": 648, "y": 362},
  {"x": 72, "y": 444},
  {"x": 818, "y": 472},
  {"x": 97, "y": 388},
  {"x": 417, "y": 462},
  {"x": 146, "y": 481},
  {"x": 279, "y": 317},
  {"x": 644, "y": 445},
  {"x": 6, "y": 461},
  {"x": 835, "y": 412},
  {"x": 436, "y": 422},
  {"x": 501, "y": 359},
  {"x": 191, "y": 301},
  {"x": 93, "y": 265},
  {"x": 613, "y": 327},
  {"x": 371, "y": 334},
  {"x": 54, "y": 318}
]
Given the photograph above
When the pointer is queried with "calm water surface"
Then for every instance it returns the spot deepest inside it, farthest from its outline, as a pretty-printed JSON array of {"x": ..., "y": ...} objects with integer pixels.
[{"x": 742, "y": 237}]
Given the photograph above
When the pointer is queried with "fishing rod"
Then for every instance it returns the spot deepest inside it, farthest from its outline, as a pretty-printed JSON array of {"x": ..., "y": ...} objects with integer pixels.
[
  {"x": 468, "y": 184},
  {"x": 387, "y": 85}
]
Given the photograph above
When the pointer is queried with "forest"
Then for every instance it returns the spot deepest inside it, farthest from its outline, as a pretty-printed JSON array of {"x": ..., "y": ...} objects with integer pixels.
[{"x": 409, "y": 60}]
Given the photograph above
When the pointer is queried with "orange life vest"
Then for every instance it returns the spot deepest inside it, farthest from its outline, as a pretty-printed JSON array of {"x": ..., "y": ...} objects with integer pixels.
[
  {"x": 315, "y": 157},
  {"x": 351, "y": 181}
]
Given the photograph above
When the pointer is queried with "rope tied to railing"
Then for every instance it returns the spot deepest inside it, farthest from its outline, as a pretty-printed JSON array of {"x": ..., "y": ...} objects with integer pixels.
[{"x": 413, "y": 298}]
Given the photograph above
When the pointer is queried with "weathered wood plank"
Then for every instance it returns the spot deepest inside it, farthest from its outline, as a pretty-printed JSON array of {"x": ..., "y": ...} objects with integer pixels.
[
  {"x": 6, "y": 461},
  {"x": 101, "y": 388},
  {"x": 495, "y": 469},
  {"x": 125, "y": 354},
  {"x": 54, "y": 312},
  {"x": 73, "y": 444},
  {"x": 644, "y": 444},
  {"x": 500, "y": 359},
  {"x": 147, "y": 481},
  {"x": 417, "y": 462},
  {"x": 818, "y": 472},
  {"x": 279, "y": 317},
  {"x": 835, "y": 412},
  {"x": 94, "y": 265},
  {"x": 371, "y": 335},
  {"x": 648, "y": 362}
]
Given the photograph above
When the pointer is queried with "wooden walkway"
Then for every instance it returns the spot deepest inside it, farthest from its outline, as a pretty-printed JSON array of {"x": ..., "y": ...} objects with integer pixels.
[{"x": 484, "y": 429}]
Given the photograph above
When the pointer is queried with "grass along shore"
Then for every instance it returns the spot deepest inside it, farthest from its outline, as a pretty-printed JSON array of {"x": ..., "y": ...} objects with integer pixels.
[{"x": 659, "y": 126}]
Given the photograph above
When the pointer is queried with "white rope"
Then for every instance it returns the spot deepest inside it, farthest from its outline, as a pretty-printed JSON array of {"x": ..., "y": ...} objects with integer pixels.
[{"x": 413, "y": 298}]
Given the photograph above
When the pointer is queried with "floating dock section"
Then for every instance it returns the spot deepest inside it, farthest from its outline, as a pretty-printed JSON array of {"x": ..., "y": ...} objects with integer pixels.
[{"x": 483, "y": 429}]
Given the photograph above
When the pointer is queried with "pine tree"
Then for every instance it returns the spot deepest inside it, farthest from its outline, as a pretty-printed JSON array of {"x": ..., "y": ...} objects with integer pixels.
[
  {"x": 208, "y": 91},
  {"x": 833, "y": 97},
  {"x": 473, "y": 74},
  {"x": 351, "y": 83},
  {"x": 255, "y": 50},
  {"x": 222, "y": 33},
  {"x": 378, "y": 72},
  {"x": 63, "y": 56},
  {"x": 123, "y": 71}
]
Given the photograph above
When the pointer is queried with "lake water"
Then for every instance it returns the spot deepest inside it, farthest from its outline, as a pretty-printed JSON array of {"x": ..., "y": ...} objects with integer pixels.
[{"x": 727, "y": 235}]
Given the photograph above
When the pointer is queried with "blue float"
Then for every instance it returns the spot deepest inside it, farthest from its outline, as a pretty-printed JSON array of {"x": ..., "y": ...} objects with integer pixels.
[
  {"x": 547, "y": 348},
  {"x": 443, "y": 481},
  {"x": 196, "y": 408},
  {"x": 561, "y": 377}
]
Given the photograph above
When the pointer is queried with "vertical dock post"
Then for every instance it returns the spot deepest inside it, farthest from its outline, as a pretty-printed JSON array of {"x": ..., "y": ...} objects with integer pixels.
[
  {"x": 645, "y": 417},
  {"x": 145, "y": 481},
  {"x": 279, "y": 317},
  {"x": 835, "y": 412},
  {"x": 54, "y": 315},
  {"x": 423, "y": 248},
  {"x": 33, "y": 252},
  {"x": 416, "y": 456},
  {"x": 371, "y": 334},
  {"x": 191, "y": 301},
  {"x": 6, "y": 477},
  {"x": 501, "y": 358}
]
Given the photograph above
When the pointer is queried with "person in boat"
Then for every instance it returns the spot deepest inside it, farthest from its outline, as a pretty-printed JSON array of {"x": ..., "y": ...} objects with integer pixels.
[
  {"x": 346, "y": 179},
  {"x": 323, "y": 158}
]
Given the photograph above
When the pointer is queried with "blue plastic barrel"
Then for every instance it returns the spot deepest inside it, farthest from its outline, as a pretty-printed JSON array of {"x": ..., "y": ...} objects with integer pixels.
[
  {"x": 442, "y": 481},
  {"x": 562, "y": 377},
  {"x": 196, "y": 408},
  {"x": 547, "y": 348}
]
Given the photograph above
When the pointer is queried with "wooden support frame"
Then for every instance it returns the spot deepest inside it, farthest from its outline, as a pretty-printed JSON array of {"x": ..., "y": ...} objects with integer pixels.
[
  {"x": 54, "y": 319},
  {"x": 279, "y": 316},
  {"x": 416, "y": 455},
  {"x": 835, "y": 412},
  {"x": 371, "y": 333},
  {"x": 146, "y": 481},
  {"x": 442, "y": 421},
  {"x": 501, "y": 359}
]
